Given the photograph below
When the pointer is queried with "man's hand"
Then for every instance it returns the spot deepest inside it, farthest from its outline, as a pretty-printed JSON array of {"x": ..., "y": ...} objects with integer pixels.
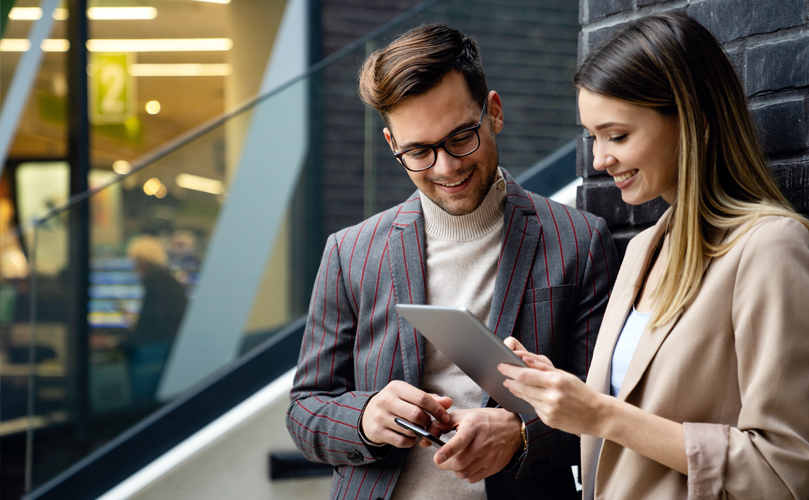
[
  {"x": 400, "y": 399},
  {"x": 485, "y": 441}
]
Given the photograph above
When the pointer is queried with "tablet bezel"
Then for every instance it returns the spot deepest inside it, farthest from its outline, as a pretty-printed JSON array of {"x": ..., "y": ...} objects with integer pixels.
[{"x": 461, "y": 337}]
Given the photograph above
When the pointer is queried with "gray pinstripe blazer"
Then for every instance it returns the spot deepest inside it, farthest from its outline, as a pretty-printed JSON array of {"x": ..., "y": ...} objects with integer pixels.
[{"x": 556, "y": 269}]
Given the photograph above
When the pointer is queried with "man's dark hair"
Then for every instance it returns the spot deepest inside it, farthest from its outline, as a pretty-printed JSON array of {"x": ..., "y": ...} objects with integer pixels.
[{"x": 416, "y": 62}]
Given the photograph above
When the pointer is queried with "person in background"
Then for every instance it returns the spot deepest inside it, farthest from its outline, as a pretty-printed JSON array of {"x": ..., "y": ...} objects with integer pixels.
[
  {"x": 148, "y": 344},
  {"x": 699, "y": 382},
  {"x": 469, "y": 236}
]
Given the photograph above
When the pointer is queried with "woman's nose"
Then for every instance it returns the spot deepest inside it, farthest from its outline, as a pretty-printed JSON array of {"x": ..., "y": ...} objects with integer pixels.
[{"x": 601, "y": 157}]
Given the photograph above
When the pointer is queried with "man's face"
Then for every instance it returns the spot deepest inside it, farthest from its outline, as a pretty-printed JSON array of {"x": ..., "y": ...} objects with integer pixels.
[{"x": 457, "y": 185}]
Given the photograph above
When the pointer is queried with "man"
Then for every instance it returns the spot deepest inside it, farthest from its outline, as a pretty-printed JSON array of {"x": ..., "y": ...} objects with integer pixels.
[{"x": 470, "y": 236}]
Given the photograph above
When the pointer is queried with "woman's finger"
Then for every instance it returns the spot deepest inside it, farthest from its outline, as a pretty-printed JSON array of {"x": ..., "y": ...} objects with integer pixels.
[
  {"x": 528, "y": 376},
  {"x": 514, "y": 344}
]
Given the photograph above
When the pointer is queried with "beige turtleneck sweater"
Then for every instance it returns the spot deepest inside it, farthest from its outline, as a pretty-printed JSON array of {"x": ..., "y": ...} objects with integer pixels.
[{"x": 462, "y": 256}]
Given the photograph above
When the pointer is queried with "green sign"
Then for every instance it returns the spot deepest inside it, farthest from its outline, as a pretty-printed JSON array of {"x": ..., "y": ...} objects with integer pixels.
[{"x": 112, "y": 88}]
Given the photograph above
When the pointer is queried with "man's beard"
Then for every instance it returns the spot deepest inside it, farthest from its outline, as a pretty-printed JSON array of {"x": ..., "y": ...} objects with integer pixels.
[
  {"x": 481, "y": 192},
  {"x": 478, "y": 196}
]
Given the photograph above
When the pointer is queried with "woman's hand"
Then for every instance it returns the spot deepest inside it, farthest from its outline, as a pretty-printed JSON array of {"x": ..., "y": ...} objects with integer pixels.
[{"x": 560, "y": 399}]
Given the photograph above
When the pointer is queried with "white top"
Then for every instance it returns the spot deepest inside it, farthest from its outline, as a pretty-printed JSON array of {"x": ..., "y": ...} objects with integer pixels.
[{"x": 625, "y": 347}]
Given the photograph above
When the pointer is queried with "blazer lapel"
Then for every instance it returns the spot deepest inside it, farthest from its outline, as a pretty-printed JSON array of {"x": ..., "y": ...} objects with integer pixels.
[
  {"x": 407, "y": 251},
  {"x": 521, "y": 232},
  {"x": 623, "y": 297},
  {"x": 651, "y": 340}
]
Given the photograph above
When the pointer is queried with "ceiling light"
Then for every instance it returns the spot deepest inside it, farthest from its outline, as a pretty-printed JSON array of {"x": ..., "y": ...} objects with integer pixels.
[
  {"x": 153, "y": 107},
  {"x": 224, "y": 2},
  {"x": 94, "y": 13},
  {"x": 197, "y": 183},
  {"x": 23, "y": 44},
  {"x": 121, "y": 13},
  {"x": 110, "y": 45},
  {"x": 55, "y": 45},
  {"x": 152, "y": 186},
  {"x": 14, "y": 45},
  {"x": 34, "y": 13},
  {"x": 25, "y": 13},
  {"x": 180, "y": 69},
  {"x": 121, "y": 167},
  {"x": 160, "y": 45}
]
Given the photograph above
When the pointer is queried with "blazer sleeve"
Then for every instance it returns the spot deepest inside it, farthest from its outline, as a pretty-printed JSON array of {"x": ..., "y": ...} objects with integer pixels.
[
  {"x": 545, "y": 445},
  {"x": 324, "y": 410},
  {"x": 766, "y": 455}
]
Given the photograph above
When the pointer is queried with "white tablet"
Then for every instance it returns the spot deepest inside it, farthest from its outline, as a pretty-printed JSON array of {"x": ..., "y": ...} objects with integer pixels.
[{"x": 471, "y": 346}]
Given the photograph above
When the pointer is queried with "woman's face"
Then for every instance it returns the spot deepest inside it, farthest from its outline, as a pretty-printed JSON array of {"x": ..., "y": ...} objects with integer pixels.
[{"x": 637, "y": 146}]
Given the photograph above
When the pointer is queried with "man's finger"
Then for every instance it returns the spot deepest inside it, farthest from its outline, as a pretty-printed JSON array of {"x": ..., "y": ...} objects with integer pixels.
[
  {"x": 426, "y": 402},
  {"x": 457, "y": 444}
]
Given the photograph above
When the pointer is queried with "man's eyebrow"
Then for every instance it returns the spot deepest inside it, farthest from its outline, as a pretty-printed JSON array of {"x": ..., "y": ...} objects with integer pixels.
[{"x": 409, "y": 145}]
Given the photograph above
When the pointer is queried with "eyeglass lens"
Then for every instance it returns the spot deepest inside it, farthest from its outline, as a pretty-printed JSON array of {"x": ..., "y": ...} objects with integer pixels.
[{"x": 460, "y": 144}]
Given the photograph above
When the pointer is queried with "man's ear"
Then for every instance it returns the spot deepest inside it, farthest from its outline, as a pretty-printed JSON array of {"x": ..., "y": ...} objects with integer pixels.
[
  {"x": 495, "y": 111},
  {"x": 389, "y": 138}
]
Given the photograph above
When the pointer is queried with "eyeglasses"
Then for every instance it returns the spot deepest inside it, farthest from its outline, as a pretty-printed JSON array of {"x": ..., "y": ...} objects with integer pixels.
[{"x": 461, "y": 143}]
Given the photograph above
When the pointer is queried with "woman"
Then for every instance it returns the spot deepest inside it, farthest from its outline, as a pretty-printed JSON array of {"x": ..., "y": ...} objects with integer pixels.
[{"x": 699, "y": 385}]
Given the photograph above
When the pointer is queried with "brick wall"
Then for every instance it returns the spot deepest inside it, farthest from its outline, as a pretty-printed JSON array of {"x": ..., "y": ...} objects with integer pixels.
[{"x": 768, "y": 41}]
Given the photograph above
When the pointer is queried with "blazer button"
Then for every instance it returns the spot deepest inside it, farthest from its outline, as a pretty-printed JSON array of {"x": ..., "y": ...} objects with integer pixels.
[{"x": 355, "y": 456}]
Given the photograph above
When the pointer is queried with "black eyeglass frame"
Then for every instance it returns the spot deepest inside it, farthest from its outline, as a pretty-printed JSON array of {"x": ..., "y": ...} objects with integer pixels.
[{"x": 442, "y": 145}]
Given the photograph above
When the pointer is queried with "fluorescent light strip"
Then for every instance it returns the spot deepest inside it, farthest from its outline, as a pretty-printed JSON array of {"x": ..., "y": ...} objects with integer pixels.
[
  {"x": 121, "y": 13},
  {"x": 149, "y": 45},
  {"x": 160, "y": 45},
  {"x": 22, "y": 45},
  {"x": 34, "y": 13},
  {"x": 180, "y": 69},
  {"x": 198, "y": 183},
  {"x": 94, "y": 13},
  {"x": 223, "y": 2}
]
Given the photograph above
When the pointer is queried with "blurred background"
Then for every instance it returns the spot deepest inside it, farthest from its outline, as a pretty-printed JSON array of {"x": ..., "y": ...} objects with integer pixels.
[{"x": 170, "y": 172}]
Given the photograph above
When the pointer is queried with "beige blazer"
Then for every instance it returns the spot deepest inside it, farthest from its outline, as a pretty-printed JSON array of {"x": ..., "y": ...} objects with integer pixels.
[{"x": 732, "y": 366}]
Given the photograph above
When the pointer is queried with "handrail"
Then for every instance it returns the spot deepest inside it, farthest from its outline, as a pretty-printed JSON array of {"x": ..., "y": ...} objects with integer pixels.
[
  {"x": 176, "y": 421},
  {"x": 193, "y": 134}
]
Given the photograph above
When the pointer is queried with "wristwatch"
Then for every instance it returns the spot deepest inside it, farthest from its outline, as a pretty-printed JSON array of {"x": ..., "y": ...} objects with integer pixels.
[{"x": 523, "y": 436}]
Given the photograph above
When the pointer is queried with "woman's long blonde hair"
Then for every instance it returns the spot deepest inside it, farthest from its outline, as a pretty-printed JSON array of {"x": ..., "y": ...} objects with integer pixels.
[{"x": 673, "y": 64}]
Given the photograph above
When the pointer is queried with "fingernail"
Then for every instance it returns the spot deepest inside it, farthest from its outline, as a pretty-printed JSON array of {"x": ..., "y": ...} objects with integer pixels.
[
  {"x": 441, "y": 458},
  {"x": 464, "y": 474},
  {"x": 445, "y": 418}
]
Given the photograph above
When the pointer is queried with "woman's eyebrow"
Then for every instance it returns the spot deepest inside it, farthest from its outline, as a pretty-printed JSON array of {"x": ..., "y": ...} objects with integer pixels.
[{"x": 607, "y": 125}]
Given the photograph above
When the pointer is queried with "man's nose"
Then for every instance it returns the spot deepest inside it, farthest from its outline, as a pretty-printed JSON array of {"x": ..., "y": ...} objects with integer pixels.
[{"x": 445, "y": 163}]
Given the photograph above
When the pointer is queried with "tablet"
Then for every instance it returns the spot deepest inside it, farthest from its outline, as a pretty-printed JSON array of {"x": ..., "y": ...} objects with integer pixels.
[{"x": 471, "y": 346}]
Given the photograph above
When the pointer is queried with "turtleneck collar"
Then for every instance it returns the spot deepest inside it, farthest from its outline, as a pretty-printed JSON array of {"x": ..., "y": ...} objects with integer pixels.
[{"x": 476, "y": 224}]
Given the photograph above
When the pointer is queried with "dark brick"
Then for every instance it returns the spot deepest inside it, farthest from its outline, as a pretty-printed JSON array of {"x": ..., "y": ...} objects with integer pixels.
[
  {"x": 599, "y": 36},
  {"x": 647, "y": 213},
  {"x": 777, "y": 65},
  {"x": 604, "y": 200},
  {"x": 621, "y": 238},
  {"x": 732, "y": 19},
  {"x": 584, "y": 159},
  {"x": 596, "y": 9},
  {"x": 794, "y": 183},
  {"x": 781, "y": 127},
  {"x": 736, "y": 57}
]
